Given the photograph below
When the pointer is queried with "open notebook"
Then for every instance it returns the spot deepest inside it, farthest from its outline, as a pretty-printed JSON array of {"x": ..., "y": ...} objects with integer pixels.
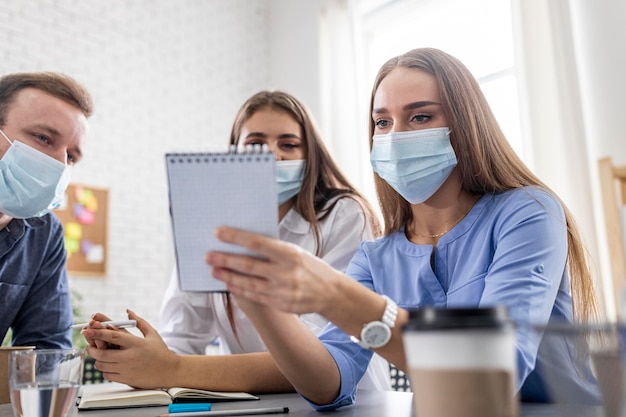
[
  {"x": 115, "y": 395},
  {"x": 208, "y": 190}
]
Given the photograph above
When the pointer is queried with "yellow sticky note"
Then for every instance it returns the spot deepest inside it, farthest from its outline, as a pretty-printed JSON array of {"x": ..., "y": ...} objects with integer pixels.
[
  {"x": 73, "y": 230},
  {"x": 91, "y": 203},
  {"x": 72, "y": 245},
  {"x": 85, "y": 196}
]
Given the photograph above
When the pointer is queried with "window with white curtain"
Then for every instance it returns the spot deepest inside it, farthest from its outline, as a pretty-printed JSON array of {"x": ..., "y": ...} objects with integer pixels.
[{"x": 478, "y": 32}]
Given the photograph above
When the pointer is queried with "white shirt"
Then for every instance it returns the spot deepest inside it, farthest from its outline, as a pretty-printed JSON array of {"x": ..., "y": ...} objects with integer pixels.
[{"x": 190, "y": 322}]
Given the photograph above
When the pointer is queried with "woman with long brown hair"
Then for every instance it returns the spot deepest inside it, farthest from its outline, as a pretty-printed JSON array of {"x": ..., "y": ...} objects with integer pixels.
[
  {"x": 320, "y": 212},
  {"x": 466, "y": 225}
]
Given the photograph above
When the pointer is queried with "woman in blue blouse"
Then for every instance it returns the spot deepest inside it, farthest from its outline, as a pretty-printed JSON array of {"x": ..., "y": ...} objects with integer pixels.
[{"x": 466, "y": 224}]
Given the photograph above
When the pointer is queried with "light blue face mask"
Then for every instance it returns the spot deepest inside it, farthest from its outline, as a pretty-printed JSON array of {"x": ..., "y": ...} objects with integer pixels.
[
  {"x": 31, "y": 182},
  {"x": 289, "y": 176},
  {"x": 414, "y": 163}
]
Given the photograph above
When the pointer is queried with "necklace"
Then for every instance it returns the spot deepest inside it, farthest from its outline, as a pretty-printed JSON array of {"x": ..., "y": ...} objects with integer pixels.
[{"x": 436, "y": 235}]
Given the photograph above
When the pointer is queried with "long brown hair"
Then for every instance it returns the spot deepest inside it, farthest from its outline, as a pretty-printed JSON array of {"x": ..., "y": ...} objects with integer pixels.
[
  {"x": 323, "y": 180},
  {"x": 486, "y": 161}
]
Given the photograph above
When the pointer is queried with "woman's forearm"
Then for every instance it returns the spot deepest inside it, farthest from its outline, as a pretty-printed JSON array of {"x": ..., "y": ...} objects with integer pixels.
[
  {"x": 249, "y": 372},
  {"x": 298, "y": 353},
  {"x": 354, "y": 305}
]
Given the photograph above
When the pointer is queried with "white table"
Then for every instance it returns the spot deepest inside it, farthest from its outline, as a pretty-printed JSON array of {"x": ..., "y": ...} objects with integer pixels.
[{"x": 369, "y": 404}]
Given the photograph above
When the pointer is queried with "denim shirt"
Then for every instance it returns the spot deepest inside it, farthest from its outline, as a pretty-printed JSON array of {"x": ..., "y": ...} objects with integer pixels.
[{"x": 34, "y": 291}]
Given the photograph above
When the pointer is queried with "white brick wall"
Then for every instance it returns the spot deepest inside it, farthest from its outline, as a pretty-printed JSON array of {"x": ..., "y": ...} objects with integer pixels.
[{"x": 165, "y": 75}]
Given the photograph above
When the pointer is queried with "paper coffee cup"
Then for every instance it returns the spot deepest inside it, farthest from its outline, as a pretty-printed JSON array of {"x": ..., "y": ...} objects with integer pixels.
[
  {"x": 461, "y": 362},
  {"x": 4, "y": 370}
]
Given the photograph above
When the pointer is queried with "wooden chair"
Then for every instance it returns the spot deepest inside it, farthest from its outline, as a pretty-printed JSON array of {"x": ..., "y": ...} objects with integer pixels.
[{"x": 613, "y": 188}]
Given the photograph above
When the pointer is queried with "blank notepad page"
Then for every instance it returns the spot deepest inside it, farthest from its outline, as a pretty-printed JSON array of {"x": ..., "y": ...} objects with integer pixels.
[{"x": 208, "y": 190}]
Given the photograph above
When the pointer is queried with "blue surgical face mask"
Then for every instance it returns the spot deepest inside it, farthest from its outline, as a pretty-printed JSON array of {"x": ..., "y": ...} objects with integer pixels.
[
  {"x": 289, "y": 176},
  {"x": 414, "y": 163},
  {"x": 31, "y": 182}
]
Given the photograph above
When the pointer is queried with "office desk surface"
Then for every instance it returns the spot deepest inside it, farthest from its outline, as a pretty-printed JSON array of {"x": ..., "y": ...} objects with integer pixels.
[{"x": 369, "y": 404}]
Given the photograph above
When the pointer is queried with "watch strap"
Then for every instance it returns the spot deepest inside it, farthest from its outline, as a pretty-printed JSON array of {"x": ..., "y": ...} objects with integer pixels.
[
  {"x": 388, "y": 319},
  {"x": 391, "y": 312}
]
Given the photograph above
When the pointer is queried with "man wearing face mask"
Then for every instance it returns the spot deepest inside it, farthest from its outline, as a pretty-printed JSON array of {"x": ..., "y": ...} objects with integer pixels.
[{"x": 43, "y": 126}]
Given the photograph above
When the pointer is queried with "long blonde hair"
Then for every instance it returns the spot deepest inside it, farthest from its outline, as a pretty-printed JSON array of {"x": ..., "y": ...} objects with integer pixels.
[{"x": 486, "y": 161}]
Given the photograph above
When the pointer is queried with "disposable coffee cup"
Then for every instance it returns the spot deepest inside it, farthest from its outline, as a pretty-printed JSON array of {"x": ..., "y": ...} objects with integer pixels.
[
  {"x": 4, "y": 370},
  {"x": 461, "y": 362}
]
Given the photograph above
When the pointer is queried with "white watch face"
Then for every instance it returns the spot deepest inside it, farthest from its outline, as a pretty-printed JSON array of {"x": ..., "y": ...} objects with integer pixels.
[{"x": 375, "y": 334}]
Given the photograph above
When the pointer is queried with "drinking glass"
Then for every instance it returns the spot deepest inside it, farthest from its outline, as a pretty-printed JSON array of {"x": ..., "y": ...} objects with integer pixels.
[
  {"x": 45, "y": 383},
  {"x": 4, "y": 370},
  {"x": 593, "y": 384}
]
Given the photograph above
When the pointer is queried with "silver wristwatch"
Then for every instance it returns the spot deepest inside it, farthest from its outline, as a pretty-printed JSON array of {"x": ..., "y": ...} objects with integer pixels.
[{"x": 376, "y": 334}]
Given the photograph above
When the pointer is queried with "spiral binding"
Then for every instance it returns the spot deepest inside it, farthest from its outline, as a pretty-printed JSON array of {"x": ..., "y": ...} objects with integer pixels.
[{"x": 249, "y": 153}]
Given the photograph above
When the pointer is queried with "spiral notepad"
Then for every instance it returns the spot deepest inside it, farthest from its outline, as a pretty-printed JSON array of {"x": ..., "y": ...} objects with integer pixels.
[{"x": 208, "y": 190}]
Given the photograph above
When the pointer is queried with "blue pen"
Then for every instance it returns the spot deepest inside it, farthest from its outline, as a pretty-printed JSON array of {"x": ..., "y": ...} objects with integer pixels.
[
  {"x": 187, "y": 407},
  {"x": 242, "y": 412}
]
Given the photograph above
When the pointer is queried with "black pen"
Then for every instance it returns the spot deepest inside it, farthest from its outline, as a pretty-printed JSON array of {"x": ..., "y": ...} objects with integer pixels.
[{"x": 243, "y": 412}]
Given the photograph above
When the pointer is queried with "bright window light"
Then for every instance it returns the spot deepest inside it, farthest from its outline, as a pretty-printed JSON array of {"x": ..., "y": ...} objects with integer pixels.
[{"x": 478, "y": 32}]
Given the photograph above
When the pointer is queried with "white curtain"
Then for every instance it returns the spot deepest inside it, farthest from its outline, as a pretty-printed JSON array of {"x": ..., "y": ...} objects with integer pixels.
[
  {"x": 555, "y": 118},
  {"x": 345, "y": 95}
]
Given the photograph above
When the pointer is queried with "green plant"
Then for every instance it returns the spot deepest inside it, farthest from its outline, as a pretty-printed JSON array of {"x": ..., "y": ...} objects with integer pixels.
[
  {"x": 7, "y": 338},
  {"x": 78, "y": 340}
]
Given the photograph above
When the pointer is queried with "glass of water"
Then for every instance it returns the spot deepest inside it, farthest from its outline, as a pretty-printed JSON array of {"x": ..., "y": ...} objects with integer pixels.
[{"x": 45, "y": 382}]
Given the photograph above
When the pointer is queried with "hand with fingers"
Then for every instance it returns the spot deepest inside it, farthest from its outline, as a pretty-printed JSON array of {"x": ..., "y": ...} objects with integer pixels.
[
  {"x": 285, "y": 277},
  {"x": 96, "y": 323},
  {"x": 142, "y": 362}
]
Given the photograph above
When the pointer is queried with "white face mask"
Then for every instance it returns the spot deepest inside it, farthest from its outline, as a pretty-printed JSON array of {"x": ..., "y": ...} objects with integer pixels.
[
  {"x": 289, "y": 176},
  {"x": 415, "y": 163},
  {"x": 31, "y": 182}
]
